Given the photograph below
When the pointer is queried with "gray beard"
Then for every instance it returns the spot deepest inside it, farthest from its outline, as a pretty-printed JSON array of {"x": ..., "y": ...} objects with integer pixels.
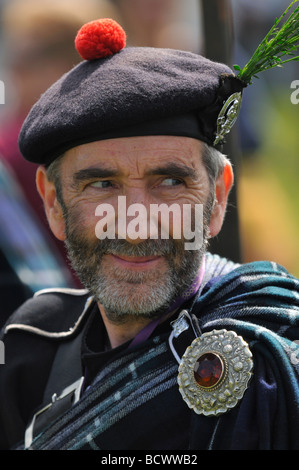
[{"x": 123, "y": 293}]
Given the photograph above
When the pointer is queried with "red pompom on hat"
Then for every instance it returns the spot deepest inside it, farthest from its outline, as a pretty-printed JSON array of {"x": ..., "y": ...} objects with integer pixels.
[{"x": 99, "y": 39}]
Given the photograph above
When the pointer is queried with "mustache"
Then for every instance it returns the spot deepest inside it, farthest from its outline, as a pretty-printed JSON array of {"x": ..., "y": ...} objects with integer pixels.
[
  {"x": 147, "y": 247},
  {"x": 121, "y": 247}
]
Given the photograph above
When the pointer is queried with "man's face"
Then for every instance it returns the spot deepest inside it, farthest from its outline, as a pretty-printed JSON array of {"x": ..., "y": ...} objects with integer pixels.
[{"x": 133, "y": 276}]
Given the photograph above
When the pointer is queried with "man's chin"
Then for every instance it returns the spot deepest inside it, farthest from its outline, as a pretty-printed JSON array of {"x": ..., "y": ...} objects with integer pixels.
[
  {"x": 134, "y": 299},
  {"x": 123, "y": 317}
]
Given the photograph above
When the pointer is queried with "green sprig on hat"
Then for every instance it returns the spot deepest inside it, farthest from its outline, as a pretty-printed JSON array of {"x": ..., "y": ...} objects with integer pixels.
[{"x": 279, "y": 43}]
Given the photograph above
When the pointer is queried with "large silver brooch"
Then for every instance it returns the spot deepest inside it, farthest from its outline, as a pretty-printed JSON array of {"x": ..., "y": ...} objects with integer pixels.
[
  {"x": 214, "y": 372},
  {"x": 228, "y": 116}
]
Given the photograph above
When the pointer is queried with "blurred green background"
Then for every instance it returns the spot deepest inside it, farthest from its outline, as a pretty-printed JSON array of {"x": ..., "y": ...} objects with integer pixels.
[{"x": 269, "y": 186}]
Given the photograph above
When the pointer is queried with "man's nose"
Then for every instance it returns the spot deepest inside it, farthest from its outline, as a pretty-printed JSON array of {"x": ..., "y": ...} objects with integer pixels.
[{"x": 133, "y": 216}]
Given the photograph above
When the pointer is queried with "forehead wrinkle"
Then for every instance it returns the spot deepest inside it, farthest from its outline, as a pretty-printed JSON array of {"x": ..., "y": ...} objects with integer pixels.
[
  {"x": 140, "y": 157},
  {"x": 172, "y": 161}
]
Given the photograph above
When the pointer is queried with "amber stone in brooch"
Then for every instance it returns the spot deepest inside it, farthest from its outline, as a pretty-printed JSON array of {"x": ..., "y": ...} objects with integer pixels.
[{"x": 208, "y": 370}]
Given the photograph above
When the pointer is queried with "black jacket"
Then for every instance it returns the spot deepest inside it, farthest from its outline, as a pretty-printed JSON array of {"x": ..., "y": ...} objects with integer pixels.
[
  {"x": 32, "y": 336},
  {"x": 258, "y": 301}
]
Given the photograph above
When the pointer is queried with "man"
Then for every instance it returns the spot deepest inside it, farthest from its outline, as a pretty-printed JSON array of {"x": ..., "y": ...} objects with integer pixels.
[{"x": 167, "y": 348}]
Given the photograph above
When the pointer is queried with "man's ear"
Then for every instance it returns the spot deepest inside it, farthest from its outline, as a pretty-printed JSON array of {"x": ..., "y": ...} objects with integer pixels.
[
  {"x": 223, "y": 186},
  {"x": 53, "y": 209}
]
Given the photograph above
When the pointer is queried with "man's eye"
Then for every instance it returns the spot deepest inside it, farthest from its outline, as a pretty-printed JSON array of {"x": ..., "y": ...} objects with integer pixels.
[
  {"x": 101, "y": 184},
  {"x": 171, "y": 182}
]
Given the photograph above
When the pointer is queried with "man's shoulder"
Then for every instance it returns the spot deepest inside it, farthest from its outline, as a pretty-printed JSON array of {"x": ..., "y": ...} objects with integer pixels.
[
  {"x": 257, "y": 289},
  {"x": 51, "y": 313},
  {"x": 222, "y": 268}
]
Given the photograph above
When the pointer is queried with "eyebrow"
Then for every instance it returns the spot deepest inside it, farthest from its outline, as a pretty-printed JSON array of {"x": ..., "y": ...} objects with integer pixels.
[
  {"x": 171, "y": 169},
  {"x": 93, "y": 173}
]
